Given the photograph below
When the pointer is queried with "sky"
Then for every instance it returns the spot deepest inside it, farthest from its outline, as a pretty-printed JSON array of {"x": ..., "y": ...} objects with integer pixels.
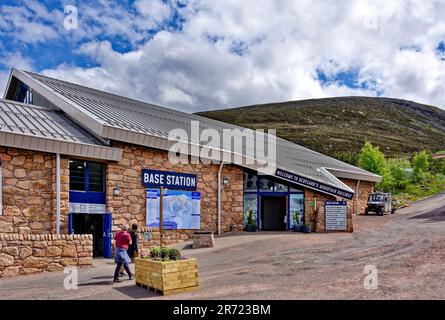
[{"x": 195, "y": 55}]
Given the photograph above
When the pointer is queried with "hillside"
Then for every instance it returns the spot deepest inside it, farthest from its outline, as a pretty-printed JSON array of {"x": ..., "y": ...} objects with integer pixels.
[{"x": 337, "y": 126}]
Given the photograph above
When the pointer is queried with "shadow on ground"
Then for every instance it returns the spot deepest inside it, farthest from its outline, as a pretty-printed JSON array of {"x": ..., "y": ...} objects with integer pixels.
[
  {"x": 437, "y": 215},
  {"x": 136, "y": 292},
  {"x": 97, "y": 283}
]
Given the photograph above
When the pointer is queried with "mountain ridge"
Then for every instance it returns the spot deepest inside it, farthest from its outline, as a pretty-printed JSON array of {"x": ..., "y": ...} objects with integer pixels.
[{"x": 341, "y": 125}]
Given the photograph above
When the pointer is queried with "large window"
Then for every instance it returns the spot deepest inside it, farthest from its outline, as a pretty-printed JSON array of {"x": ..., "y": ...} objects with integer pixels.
[
  {"x": 96, "y": 177},
  {"x": 78, "y": 175},
  {"x": 87, "y": 176}
]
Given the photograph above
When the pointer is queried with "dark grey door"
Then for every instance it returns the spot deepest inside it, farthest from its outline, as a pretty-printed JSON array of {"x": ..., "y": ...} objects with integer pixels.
[{"x": 273, "y": 213}]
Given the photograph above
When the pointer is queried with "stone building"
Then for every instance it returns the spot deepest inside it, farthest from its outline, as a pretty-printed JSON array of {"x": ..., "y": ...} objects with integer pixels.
[{"x": 81, "y": 161}]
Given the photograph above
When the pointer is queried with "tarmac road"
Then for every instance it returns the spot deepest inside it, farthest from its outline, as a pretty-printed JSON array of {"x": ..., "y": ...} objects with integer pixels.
[{"x": 408, "y": 250}]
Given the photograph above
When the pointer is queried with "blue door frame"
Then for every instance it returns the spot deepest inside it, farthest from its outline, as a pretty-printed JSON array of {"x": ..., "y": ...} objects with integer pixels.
[
  {"x": 287, "y": 193},
  {"x": 93, "y": 197},
  {"x": 108, "y": 234}
]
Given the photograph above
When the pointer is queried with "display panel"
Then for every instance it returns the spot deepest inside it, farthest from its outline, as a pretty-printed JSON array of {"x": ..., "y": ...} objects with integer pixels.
[
  {"x": 296, "y": 209},
  {"x": 182, "y": 209},
  {"x": 250, "y": 207}
]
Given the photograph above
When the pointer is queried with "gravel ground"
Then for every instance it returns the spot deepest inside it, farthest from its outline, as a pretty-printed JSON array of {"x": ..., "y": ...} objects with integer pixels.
[{"x": 408, "y": 250}]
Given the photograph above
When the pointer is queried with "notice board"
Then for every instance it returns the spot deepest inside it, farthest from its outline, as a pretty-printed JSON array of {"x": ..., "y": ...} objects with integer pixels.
[
  {"x": 182, "y": 209},
  {"x": 336, "y": 215}
]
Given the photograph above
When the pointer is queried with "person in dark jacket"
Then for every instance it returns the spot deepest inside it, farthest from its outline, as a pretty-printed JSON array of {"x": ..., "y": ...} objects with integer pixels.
[{"x": 133, "y": 249}]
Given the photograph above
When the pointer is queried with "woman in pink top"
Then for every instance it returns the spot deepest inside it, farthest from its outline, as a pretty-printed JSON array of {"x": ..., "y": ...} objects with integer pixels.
[{"x": 123, "y": 241}]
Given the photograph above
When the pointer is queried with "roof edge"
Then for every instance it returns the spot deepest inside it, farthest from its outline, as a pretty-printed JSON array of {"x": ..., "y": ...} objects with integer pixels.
[
  {"x": 371, "y": 177},
  {"x": 88, "y": 120},
  {"x": 22, "y": 141}
]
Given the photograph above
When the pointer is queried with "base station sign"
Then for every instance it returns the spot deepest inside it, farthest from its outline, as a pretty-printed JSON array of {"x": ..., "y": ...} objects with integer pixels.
[{"x": 336, "y": 215}]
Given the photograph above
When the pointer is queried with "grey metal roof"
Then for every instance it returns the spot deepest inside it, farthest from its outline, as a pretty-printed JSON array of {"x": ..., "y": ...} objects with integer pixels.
[
  {"x": 47, "y": 129},
  {"x": 124, "y": 119}
]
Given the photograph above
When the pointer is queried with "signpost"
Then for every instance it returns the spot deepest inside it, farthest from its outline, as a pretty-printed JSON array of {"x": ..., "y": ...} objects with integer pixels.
[
  {"x": 161, "y": 216},
  {"x": 336, "y": 215}
]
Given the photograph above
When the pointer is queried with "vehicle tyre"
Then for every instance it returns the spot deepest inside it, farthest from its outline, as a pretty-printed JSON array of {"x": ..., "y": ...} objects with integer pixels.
[
  {"x": 366, "y": 211},
  {"x": 393, "y": 211}
]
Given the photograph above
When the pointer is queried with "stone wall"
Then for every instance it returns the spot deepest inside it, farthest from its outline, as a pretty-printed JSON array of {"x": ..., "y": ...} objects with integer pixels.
[
  {"x": 129, "y": 207},
  {"x": 26, "y": 254},
  {"x": 315, "y": 215},
  {"x": 29, "y": 200},
  {"x": 365, "y": 188}
]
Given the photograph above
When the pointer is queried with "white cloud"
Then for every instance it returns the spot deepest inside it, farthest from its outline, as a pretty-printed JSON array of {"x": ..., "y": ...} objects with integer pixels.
[
  {"x": 232, "y": 53},
  {"x": 30, "y": 23},
  {"x": 7, "y": 62}
]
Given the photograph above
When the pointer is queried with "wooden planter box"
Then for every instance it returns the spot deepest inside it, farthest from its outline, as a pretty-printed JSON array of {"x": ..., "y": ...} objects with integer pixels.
[{"x": 167, "y": 277}]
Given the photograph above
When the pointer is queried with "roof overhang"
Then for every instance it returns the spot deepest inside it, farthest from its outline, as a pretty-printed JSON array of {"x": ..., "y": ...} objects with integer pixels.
[
  {"x": 354, "y": 175},
  {"x": 14, "y": 140}
]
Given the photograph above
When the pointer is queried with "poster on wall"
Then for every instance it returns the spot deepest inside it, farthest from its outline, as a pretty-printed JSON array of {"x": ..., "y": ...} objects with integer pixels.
[
  {"x": 296, "y": 209},
  {"x": 336, "y": 215},
  {"x": 182, "y": 209},
  {"x": 250, "y": 208}
]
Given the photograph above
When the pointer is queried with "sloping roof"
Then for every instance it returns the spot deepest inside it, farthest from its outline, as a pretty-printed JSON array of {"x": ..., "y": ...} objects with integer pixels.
[
  {"x": 48, "y": 130},
  {"x": 123, "y": 119}
]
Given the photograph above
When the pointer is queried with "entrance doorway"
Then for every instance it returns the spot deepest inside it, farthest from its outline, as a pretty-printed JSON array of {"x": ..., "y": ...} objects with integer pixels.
[
  {"x": 91, "y": 224},
  {"x": 273, "y": 213}
]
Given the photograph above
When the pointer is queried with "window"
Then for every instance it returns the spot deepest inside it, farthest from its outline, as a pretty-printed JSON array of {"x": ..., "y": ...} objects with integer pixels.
[
  {"x": 250, "y": 182},
  {"x": 87, "y": 176},
  {"x": 266, "y": 185},
  {"x": 77, "y": 175},
  {"x": 292, "y": 189},
  {"x": 96, "y": 175},
  {"x": 280, "y": 187}
]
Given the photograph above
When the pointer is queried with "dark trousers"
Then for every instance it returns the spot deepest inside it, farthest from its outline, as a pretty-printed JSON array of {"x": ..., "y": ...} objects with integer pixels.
[{"x": 118, "y": 268}]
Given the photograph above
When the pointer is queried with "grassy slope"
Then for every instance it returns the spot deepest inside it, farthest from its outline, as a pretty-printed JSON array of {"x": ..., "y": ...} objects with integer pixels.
[{"x": 333, "y": 125}]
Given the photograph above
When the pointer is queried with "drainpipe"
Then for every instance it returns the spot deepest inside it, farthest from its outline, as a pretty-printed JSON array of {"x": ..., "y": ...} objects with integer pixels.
[
  {"x": 1, "y": 185},
  {"x": 357, "y": 207},
  {"x": 58, "y": 193},
  {"x": 219, "y": 197}
]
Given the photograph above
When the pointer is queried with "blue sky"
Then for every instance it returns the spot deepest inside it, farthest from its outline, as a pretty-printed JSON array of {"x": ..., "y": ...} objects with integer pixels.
[{"x": 195, "y": 55}]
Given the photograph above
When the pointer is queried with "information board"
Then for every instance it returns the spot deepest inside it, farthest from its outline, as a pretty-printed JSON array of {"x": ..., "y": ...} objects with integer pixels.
[
  {"x": 336, "y": 215},
  {"x": 182, "y": 209}
]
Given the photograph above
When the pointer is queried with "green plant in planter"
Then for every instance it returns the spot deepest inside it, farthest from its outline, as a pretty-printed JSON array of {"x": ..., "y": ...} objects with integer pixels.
[
  {"x": 174, "y": 254},
  {"x": 251, "y": 223},
  {"x": 250, "y": 218},
  {"x": 165, "y": 253},
  {"x": 155, "y": 252}
]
